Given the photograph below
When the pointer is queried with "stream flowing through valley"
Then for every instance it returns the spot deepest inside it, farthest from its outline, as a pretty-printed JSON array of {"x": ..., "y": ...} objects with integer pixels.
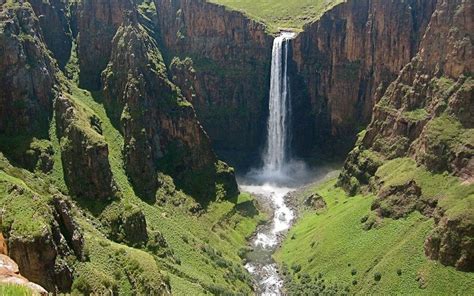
[{"x": 278, "y": 176}]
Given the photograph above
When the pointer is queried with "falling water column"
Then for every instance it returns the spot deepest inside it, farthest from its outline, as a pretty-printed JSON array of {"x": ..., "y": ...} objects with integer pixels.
[{"x": 276, "y": 152}]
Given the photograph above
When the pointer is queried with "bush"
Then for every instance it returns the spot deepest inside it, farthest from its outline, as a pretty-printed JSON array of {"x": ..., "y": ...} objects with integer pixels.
[
  {"x": 354, "y": 282},
  {"x": 354, "y": 271},
  {"x": 377, "y": 276},
  {"x": 399, "y": 271},
  {"x": 296, "y": 267}
]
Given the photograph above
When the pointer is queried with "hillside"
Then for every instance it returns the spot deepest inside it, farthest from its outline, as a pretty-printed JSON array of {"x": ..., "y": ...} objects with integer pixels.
[
  {"x": 129, "y": 130},
  {"x": 281, "y": 14}
]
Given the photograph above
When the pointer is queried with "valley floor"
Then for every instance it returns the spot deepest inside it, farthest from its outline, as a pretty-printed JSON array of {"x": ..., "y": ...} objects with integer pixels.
[{"x": 330, "y": 251}]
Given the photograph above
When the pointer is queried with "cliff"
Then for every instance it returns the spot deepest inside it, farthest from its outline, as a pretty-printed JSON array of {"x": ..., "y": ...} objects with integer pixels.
[
  {"x": 231, "y": 56},
  {"x": 423, "y": 115},
  {"x": 160, "y": 128},
  {"x": 344, "y": 62}
]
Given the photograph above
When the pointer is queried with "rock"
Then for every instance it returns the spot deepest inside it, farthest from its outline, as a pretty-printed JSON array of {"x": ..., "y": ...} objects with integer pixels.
[
  {"x": 10, "y": 274},
  {"x": 229, "y": 88},
  {"x": 26, "y": 73},
  {"x": 3, "y": 245},
  {"x": 160, "y": 127},
  {"x": 36, "y": 257},
  {"x": 70, "y": 229},
  {"x": 345, "y": 62},
  {"x": 398, "y": 201},
  {"x": 127, "y": 225},
  {"x": 97, "y": 22},
  {"x": 53, "y": 19},
  {"x": 315, "y": 202},
  {"x": 84, "y": 153},
  {"x": 451, "y": 243},
  {"x": 419, "y": 116}
]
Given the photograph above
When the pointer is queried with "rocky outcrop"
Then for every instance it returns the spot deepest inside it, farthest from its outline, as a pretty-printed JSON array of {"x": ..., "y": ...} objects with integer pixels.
[
  {"x": 97, "y": 22},
  {"x": 423, "y": 115},
  {"x": 26, "y": 72},
  {"x": 10, "y": 275},
  {"x": 127, "y": 225},
  {"x": 451, "y": 243},
  {"x": 40, "y": 244},
  {"x": 69, "y": 229},
  {"x": 160, "y": 127},
  {"x": 84, "y": 152},
  {"x": 398, "y": 201},
  {"x": 315, "y": 202},
  {"x": 344, "y": 63},
  {"x": 53, "y": 19},
  {"x": 231, "y": 56}
]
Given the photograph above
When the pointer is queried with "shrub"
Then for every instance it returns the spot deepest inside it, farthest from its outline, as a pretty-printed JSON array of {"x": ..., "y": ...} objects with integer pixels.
[
  {"x": 399, "y": 271},
  {"x": 354, "y": 271},
  {"x": 296, "y": 267},
  {"x": 354, "y": 282},
  {"x": 377, "y": 276}
]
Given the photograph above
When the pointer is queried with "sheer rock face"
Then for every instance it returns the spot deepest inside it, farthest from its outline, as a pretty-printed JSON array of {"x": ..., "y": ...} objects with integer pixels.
[
  {"x": 97, "y": 22},
  {"x": 41, "y": 256},
  {"x": 423, "y": 115},
  {"x": 346, "y": 60},
  {"x": 10, "y": 274},
  {"x": 84, "y": 152},
  {"x": 53, "y": 19},
  {"x": 160, "y": 127},
  {"x": 27, "y": 72},
  {"x": 231, "y": 55}
]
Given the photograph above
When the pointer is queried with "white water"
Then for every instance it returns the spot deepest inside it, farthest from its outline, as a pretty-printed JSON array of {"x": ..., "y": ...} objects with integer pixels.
[
  {"x": 278, "y": 176},
  {"x": 276, "y": 153}
]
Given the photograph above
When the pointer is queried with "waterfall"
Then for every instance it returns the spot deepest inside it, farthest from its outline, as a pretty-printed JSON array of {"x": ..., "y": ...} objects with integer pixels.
[{"x": 278, "y": 138}]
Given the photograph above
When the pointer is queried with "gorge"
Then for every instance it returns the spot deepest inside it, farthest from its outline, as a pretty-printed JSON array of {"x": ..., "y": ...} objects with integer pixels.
[{"x": 349, "y": 125}]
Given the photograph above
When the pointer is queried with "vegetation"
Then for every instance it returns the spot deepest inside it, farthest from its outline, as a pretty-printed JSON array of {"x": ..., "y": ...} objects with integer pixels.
[
  {"x": 333, "y": 244},
  {"x": 280, "y": 13},
  {"x": 14, "y": 290}
]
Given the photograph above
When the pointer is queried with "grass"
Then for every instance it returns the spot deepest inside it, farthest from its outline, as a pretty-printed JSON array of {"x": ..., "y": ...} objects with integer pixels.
[
  {"x": 14, "y": 290},
  {"x": 202, "y": 250},
  {"x": 456, "y": 198},
  {"x": 224, "y": 226},
  {"x": 277, "y": 14},
  {"x": 334, "y": 243}
]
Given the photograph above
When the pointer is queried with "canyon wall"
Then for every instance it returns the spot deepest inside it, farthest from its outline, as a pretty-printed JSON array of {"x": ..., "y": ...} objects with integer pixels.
[
  {"x": 426, "y": 115},
  {"x": 231, "y": 57},
  {"x": 344, "y": 63}
]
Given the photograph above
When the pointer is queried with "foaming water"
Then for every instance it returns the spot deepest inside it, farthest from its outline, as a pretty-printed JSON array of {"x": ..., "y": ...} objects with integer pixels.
[
  {"x": 278, "y": 176},
  {"x": 271, "y": 189}
]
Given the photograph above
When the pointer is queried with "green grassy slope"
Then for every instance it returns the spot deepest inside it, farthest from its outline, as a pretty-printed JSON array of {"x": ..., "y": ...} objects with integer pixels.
[
  {"x": 201, "y": 252},
  {"x": 204, "y": 247},
  {"x": 14, "y": 290},
  {"x": 335, "y": 244},
  {"x": 281, "y": 13}
]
